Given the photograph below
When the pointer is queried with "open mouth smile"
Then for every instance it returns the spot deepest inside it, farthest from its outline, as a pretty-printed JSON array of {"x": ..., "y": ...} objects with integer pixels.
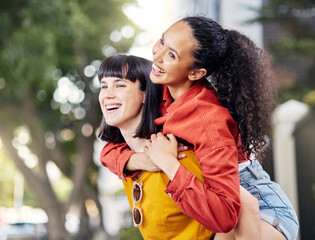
[
  {"x": 156, "y": 70},
  {"x": 112, "y": 107}
]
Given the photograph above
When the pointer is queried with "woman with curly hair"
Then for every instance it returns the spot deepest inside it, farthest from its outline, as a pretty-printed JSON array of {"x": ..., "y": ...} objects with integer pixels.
[{"x": 217, "y": 99}]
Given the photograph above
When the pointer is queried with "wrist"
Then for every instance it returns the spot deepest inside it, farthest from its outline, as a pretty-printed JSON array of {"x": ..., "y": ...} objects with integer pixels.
[
  {"x": 171, "y": 168},
  {"x": 131, "y": 164}
]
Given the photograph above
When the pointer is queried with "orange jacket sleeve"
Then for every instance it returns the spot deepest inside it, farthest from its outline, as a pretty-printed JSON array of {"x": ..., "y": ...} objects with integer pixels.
[
  {"x": 115, "y": 157},
  {"x": 215, "y": 203}
]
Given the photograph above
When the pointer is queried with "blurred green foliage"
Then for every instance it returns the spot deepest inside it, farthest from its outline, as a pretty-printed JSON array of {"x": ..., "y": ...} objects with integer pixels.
[
  {"x": 293, "y": 46},
  {"x": 130, "y": 233},
  {"x": 6, "y": 180},
  {"x": 42, "y": 41},
  {"x": 29, "y": 198}
]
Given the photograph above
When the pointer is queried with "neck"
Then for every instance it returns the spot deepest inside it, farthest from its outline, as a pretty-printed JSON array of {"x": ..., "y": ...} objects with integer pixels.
[
  {"x": 176, "y": 91},
  {"x": 136, "y": 144}
]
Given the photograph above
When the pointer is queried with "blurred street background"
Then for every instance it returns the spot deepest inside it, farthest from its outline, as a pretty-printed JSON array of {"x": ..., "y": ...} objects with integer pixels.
[{"x": 52, "y": 186}]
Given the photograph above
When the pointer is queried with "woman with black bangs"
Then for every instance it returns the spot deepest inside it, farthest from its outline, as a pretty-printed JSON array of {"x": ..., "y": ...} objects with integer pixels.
[{"x": 129, "y": 102}]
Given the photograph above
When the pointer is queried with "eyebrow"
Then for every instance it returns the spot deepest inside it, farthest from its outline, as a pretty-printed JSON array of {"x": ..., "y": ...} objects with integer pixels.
[
  {"x": 172, "y": 49},
  {"x": 116, "y": 80}
]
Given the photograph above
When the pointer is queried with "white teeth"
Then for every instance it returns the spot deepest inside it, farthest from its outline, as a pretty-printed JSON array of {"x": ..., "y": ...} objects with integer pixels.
[
  {"x": 157, "y": 69},
  {"x": 110, "y": 107}
]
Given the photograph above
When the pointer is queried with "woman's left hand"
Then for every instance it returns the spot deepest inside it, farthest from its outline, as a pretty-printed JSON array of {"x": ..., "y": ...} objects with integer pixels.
[{"x": 163, "y": 153}]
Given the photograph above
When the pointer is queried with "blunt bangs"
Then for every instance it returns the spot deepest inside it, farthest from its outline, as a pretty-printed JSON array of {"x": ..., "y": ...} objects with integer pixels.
[
  {"x": 132, "y": 68},
  {"x": 120, "y": 66}
]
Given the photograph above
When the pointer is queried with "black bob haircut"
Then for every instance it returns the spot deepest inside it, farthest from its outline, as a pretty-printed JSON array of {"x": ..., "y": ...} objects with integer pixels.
[{"x": 134, "y": 69}]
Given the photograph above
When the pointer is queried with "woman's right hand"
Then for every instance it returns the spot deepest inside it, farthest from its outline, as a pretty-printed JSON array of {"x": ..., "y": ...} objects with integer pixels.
[
  {"x": 140, "y": 161},
  {"x": 162, "y": 150}
]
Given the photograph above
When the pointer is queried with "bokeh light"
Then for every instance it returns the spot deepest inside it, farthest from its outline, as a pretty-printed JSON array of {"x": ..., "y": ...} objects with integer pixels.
[
  {"x": 68, "y": 93},
  {"x": 66, "y": 135},
  {"x": 115, "y": 36},
  {"x": 127, "y": 31},
  {"x": 89, "y": 71},
  {"x": 108, "y": 50},
  {"x": 96, "y": 64},
  {"x": 65, "y": 108},
  {"x": 22, "y": 135},
  {"x": 41, "y": 95},
  {"x": 79, "y": 113},
  {"x": 56, "y": 73},
  {"x": 53, "y": 171},
  {"x": 50, "y": 140},
  {"x": 87, "y": 130}
]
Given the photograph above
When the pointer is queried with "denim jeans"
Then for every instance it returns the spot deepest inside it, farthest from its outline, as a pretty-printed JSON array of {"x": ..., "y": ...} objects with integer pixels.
[{"x": 275, "y": 208}]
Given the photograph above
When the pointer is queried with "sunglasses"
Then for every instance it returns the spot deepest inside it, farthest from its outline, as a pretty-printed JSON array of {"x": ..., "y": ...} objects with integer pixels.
[{"x": 136, "y": 196}]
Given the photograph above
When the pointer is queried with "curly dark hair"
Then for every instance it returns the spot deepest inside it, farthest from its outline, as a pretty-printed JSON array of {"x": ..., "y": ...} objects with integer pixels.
[{"x": 241, "y": 74}]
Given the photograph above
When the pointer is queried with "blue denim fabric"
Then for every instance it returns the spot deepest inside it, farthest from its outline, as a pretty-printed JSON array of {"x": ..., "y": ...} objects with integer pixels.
[{"x": 274, "y": 205}]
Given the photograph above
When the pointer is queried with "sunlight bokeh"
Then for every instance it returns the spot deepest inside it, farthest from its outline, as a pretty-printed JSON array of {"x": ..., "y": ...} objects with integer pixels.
[{"x": 153, "y": 17}]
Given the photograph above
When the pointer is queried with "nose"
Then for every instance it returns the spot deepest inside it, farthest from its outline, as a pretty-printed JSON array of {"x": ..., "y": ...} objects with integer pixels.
[{"x": 107, "y": 93}]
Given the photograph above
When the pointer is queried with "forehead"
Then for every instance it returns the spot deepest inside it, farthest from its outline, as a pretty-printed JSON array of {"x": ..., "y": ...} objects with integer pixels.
[
  {"x": 113, "y": 80},
  {"x": 179, "y": 37}
]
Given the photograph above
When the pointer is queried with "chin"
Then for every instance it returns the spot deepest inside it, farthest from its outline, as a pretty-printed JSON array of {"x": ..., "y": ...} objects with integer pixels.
[
  {"x": 154, "y": 79},
  {"x": 111, "y": 124}
]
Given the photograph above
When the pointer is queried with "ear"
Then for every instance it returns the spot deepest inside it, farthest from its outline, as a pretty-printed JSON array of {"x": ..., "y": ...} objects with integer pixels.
[{"x": 197, "y": 74}]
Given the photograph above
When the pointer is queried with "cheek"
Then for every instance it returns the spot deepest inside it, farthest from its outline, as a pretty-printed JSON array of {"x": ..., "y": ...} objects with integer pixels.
[
  {"x": 101, "y": 97},
  {"x": 137, "y": 100}
]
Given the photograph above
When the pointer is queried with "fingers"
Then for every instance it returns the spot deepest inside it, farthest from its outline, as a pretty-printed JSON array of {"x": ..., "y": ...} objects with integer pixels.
[
  {"x": 153, "y": 136},
  {"x": 181, "y": 156},
  {"x": 181, "y": 147},
  {"x": 159, "y": 134},
  {"x": 147, "y": 144},
  {"x": 145, "y": 149},
  {"x": 169, "y": 137},
  {"x": 172, "y": 138}
]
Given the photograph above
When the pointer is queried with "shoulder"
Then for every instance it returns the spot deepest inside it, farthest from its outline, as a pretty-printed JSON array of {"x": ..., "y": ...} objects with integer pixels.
[
  {"x": 216, "y": 120},
  {"x": 210, "y": 107}
]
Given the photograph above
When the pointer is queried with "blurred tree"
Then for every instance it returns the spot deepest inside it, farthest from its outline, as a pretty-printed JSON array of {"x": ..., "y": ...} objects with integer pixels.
[
  {"x": 289, "y": 34},
  {"x": 6, "y": 180},
  {"x": 7, "y": 183},
  {"x": 49, "y": 52}
]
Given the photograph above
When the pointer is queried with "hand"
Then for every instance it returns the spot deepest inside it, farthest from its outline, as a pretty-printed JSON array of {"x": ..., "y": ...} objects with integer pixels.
[{"x": 163, "y": 153}]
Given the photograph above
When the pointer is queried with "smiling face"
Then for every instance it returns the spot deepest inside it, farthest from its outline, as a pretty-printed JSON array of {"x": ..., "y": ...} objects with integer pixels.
[
  {"x": 121, "y": 102},
  {"x": 173, "y": 59}
]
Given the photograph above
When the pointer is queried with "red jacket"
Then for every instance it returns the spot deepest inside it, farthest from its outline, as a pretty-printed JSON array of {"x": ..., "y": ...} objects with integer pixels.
[{"x": 198, "y": 118}]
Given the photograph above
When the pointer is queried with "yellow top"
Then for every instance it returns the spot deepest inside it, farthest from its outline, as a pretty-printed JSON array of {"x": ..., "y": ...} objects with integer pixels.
[{"x": 162, "y": 219}]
